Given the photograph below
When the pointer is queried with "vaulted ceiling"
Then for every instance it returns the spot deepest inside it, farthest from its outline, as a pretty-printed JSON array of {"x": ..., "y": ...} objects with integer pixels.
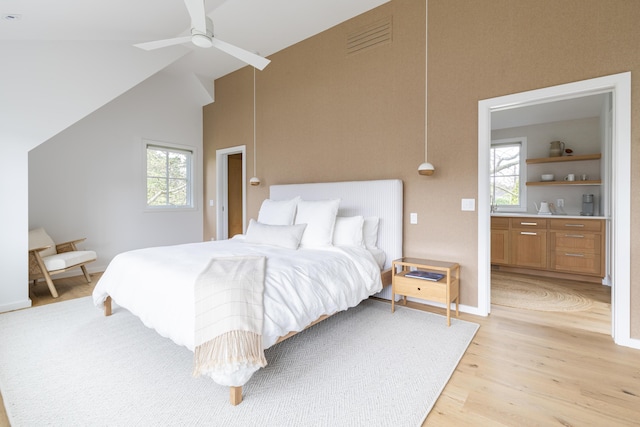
[{"x": 259, "y": 26}]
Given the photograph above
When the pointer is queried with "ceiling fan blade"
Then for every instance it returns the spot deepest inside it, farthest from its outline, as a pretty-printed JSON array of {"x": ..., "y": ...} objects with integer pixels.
[
  {"x": 252, "y": 59},
  {"x": 163, "y": 43},
  {"x": 197, "y": 14}
]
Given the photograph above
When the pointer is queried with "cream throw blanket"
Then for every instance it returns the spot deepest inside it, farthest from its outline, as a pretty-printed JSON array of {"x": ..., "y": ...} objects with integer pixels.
[{"x": 229, "y": 316}]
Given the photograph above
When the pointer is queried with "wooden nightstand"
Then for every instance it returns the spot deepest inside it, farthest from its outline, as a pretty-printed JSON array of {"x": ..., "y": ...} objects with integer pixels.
[{"x": 445, "y": 290}]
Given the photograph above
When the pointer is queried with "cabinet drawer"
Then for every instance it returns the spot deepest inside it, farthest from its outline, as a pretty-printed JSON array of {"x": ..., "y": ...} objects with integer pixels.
[
  {"x": 424, "y": 289},
  {"x": 529, "y": 223},
  {"x": 576, "y": 241},
  {"x": 576, "y": 262},
  {"x": 576, "y": 224},
  {"x": 498, "y": 223}
]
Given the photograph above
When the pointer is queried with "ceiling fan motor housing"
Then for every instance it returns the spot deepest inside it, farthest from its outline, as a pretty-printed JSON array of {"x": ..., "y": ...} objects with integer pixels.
[{"x": 202, "y": 39}]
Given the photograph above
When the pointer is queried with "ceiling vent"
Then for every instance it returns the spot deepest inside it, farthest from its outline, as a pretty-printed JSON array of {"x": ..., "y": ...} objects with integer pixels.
[{"x": 368, "y": 37}]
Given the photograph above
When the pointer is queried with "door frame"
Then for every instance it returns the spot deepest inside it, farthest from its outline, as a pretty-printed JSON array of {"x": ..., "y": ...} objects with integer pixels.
[
  {"x": 222, "y": 189},
  {"x": 619, "y": 85}
]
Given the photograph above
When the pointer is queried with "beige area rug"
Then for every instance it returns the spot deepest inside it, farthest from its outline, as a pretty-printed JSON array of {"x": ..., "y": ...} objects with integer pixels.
[
  {"x": 65, "y": 364},
  {"x": 534, "y": 293}
]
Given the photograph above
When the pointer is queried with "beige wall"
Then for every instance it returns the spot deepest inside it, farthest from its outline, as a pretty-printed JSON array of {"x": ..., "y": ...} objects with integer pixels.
[{"x": 323, "y": 116}]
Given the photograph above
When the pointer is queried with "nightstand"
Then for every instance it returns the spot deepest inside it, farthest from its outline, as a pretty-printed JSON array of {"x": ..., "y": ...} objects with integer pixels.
[{"x": 445, "y": 290}]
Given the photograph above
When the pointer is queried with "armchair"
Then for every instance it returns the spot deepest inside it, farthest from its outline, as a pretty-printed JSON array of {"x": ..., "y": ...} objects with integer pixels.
[{"x": 46, "y": 258}]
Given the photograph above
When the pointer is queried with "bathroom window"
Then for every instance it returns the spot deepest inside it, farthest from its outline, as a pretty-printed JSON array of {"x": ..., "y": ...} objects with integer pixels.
[{"x": 507, "y": 174}]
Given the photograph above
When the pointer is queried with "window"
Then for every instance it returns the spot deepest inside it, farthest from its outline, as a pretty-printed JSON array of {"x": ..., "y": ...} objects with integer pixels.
[
  {"x": 507, "y": 174},
  {"x": 169, "y": 172}
]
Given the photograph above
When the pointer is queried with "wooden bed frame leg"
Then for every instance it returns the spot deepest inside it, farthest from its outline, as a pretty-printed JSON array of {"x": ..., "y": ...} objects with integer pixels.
[
  {"x": 235, "y": 395},
  {"x": 107, "y": 306}
]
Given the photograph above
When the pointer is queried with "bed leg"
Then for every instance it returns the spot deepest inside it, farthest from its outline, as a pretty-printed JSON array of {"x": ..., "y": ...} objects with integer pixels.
[
  {"x": 235, "y": 395},
  {"x": 107, "y": 306}
]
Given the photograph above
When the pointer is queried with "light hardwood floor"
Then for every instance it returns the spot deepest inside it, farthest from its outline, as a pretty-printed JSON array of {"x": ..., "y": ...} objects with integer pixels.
[{"x": 523, "y": 368}]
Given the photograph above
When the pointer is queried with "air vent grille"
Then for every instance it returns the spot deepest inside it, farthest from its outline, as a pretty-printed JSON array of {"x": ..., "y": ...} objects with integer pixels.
[{"x": 372, "y": 35}]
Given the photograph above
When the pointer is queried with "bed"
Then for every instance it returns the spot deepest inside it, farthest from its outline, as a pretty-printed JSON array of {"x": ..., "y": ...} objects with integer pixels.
[{"x": 305, "y": 279}]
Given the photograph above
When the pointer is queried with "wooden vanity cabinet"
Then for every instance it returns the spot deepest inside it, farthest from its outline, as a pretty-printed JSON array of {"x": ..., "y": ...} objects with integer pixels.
[
  {"x": 557, "y": 246},
  {"x": 577, "y": 246},
  {"x": 500, "y": 246},
  {"x": 529, "y": 242}
]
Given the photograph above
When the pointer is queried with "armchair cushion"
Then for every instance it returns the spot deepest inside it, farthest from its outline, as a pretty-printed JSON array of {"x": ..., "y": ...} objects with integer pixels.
[
  {"x": 39, "y": 238},
  {"x": 68, "y": 259}
]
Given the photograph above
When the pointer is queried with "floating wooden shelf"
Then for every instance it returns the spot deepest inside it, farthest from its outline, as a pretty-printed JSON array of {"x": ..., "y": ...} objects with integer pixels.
[
  {"x": 591, "y": 182},
  {"x": 565, "y": 158}
]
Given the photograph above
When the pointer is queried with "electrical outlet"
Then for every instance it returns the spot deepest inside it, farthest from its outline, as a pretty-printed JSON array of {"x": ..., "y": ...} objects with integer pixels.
[
  {"x": 413, "y": 218},
  {"x": 560, "y": 203}
]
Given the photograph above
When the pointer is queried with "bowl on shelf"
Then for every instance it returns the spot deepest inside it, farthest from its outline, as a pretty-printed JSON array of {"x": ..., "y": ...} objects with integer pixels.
[{"x": 547, "y": 177}]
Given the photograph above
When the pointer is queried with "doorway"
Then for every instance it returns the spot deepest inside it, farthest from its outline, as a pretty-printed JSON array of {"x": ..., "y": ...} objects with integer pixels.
[
  {"x": 230, "y": 192},
  {"x": 619, "y": 87}
]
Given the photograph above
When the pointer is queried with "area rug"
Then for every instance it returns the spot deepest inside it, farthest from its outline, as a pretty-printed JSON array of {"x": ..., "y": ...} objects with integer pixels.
[
  {"x": 533, "y": 293},
  {"x": 65, "y": 364}
]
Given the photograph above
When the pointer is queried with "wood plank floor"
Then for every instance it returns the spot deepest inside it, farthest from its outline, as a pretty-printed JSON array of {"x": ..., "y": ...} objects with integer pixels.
[{"x": 523, "y": 368}]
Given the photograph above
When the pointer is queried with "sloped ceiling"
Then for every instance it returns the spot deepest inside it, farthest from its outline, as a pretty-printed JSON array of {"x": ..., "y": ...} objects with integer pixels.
[{"x": 62, "y": 60}]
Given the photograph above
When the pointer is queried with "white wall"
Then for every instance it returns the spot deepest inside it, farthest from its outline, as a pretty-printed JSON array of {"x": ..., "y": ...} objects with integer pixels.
[
  {"x": 583, "y": 136},
  {"x": 88, "y": 181},
  {"x": 13, "y": 226}
]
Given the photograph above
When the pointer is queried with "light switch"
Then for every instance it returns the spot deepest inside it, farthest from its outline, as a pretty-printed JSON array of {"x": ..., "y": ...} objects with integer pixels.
[
  {"x": 413, "y": 218},
  {"x": 468, "y": 204},
  {"x": 211, "y": 203}
]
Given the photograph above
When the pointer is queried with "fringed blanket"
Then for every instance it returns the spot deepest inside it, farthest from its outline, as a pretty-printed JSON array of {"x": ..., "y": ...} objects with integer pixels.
[{"x": 229, "y": 318}]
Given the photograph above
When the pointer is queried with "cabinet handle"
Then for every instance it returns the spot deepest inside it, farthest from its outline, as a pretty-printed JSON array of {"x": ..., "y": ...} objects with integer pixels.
[
  {"x": 574, "y": 225},
  {"x": 580, "y": 236},
  {"x": 529, "y": 223},
  {"x": 578, "y": 255},
  {"x": 528, "y": 233}
]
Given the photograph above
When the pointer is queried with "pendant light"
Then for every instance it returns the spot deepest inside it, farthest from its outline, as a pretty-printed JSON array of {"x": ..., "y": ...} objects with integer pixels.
[
  {"x": 426, "y": 168},
  {"x": 255, "y": 181}
]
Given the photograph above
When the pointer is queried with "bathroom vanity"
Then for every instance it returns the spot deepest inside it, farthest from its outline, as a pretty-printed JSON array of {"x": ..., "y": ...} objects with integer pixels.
[{"x": 549, "y": 245}]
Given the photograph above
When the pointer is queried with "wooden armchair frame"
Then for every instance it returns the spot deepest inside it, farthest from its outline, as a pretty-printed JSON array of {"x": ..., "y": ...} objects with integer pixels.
[{"x": 38, "y": 270}]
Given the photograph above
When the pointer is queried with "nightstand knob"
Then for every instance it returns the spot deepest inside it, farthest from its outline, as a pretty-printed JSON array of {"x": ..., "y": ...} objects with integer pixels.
[{"x": 418, "y": 288}]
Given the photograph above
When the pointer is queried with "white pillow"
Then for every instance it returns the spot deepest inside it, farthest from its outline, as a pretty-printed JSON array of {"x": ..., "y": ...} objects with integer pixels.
[
  {"x": 370, "y": 232},
  {"x": 348, "y": 231},
  {"x": 278, "y": 212},
  {"x": 320, "y": 217},
  {"x": 285, "y": 236}
]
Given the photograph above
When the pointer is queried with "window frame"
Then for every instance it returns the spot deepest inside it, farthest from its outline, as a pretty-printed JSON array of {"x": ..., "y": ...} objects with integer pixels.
[
  {"x": 522, "y": 207},
  {"x": 191, "y": 153}
]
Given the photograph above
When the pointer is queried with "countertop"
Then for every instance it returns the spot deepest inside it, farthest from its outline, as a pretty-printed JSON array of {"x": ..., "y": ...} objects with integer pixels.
[{"x": 535, "y": 215}]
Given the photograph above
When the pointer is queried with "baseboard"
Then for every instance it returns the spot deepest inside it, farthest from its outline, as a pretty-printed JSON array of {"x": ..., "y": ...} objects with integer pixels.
[
  {"x": 463, "y": 308},
  {"x": 17, "y": 305}
]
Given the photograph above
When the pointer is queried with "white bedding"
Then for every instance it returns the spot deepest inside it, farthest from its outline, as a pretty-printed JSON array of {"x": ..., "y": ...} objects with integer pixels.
[{"x": 157, "y": 284}]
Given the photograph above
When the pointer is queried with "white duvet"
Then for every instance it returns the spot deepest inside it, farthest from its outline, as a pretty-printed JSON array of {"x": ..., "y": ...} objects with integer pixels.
[{"x": 157, "y": 284}]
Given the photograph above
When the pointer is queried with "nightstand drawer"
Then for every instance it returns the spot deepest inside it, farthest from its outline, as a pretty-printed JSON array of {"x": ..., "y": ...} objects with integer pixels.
[{"x": 424, "y": 289}]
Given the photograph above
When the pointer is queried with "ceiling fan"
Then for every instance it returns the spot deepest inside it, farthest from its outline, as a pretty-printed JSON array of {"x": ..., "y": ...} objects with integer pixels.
[{"x": 202, "y": 36}]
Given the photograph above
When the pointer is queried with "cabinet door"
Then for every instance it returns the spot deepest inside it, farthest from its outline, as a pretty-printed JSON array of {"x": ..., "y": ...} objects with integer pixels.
[
  {"x": 500, "y": 247},
  {"x": 529, "y": 248}
]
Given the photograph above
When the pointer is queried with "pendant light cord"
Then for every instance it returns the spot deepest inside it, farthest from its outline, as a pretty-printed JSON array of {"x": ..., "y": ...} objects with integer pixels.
[{"x": 254, "y": 122}]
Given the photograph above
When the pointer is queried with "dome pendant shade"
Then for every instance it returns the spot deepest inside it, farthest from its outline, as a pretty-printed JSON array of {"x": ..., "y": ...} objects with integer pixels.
[
  {"x": 254, "y": 181},
  {"x": 426, "y": 168}
]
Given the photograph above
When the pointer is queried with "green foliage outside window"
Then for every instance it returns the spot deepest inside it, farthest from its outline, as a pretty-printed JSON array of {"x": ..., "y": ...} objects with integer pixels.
[{"x": 168, "y": 177}]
